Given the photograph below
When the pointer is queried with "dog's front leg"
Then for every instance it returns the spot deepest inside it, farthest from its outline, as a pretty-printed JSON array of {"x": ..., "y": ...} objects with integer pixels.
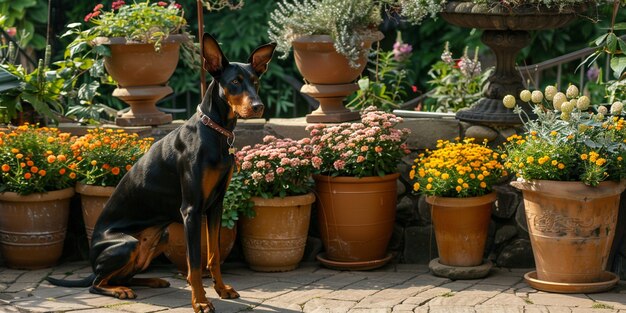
[{"x": 191, "y": 211}]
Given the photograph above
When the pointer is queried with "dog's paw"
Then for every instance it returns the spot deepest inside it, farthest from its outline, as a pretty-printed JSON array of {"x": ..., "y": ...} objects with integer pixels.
[
  {"x": 124, "y": 293},
  {"x": 206, "y": 307},
  {"x": 227, "y": 292}
]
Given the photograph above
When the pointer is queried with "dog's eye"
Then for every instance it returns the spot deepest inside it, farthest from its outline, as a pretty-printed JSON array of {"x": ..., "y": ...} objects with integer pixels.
[{"x": 235, "y": 82}]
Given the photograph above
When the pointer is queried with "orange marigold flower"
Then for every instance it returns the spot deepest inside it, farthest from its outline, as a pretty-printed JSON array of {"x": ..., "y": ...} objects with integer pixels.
[
  {"x": 6, "y": 167},
  {"x": 51, "y": 159},
  {"x": 42, "y": 172},
  {"x": 61, "y": 158},
  {"x": 30, "y": 163},
  {"x": 22, "y": 164},
  {"x": 28, "y": 175},
  {"x": 72, "y": 175},
  {"x": 106, "y": 166},
  {"x": 128, "y": 167},
  {"x": 19, "y": 155},
  {"x": 115, "y": 170},
  {"x": 14, "y": 151},
  {"x": 50, "y": 139},
  {"x": 34, "y": 169},
  {"x": 62, "y": 171}
]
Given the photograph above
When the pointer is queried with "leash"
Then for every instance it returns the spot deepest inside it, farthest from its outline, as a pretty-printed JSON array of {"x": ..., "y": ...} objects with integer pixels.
[{"x": 230, "y": 136}]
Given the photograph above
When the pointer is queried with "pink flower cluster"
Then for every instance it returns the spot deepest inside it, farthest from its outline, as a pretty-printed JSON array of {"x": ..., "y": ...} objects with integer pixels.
[
  {"x": 370, "y": 148},
  {"x": 401, "y": 51},
  {"x": 278, "y": 167}
]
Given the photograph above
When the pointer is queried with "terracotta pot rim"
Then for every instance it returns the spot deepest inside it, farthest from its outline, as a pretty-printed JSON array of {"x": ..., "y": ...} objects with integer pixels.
[
  {"x": 367, "y": 37},
  {"x": 286, "y": 201},
  {"x": 574, "y": 189},
  {"x": 38, "y": 197},
  {"x": 467, "y": 201},
  {"x": 94, "y": 190},
  {"x": 351, "y": 179},
  {"x": 172, "y": 38},
  {"x": 529, "y": 9}
]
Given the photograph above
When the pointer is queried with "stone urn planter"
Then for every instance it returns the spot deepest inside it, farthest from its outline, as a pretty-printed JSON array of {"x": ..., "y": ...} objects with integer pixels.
[
  {"x": 571, "y": 227},
  {"x": 92, "y": 200},
  {"x": 461, "y": 226},
  {"x": 176, "y": 250},
  {"x": 142, "y": 74},
  {"x": 274, "y": 240},
  {"x": 356, "y": 218},
  {"x": 329, "y": 76},
  {"x": 33, "y": 228},
  {"x": 506, "y": 32}
]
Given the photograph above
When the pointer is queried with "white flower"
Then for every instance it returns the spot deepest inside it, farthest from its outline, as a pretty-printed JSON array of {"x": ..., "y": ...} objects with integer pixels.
[
  {"x": 536, "y": 96},
  {"x": 550, "y": 92},
  {"x": 558, "y": 99},
  {"x": 583, "y": 103},
  {"x": 616, "y": 108},
  {"x": 509, "y": 101},
  {"x": 525, "y": 95},
  {"x": 572, "y": 91}
]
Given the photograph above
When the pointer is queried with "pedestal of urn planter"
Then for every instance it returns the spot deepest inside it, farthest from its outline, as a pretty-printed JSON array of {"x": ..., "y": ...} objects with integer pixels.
[
  {"x": 506, "y": 32},
  {"x": 142, "y": 101},
  {"x": 331, "y": 109}
]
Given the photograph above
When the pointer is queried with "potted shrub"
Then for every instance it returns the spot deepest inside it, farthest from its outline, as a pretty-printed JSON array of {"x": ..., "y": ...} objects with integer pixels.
[
  {"x": 356, "y": 185},
  {"x": 278, "y": 174},
  {"x": 570, "y": 167},
  {"x": 103, "y": 157},
  {"x": 331, "y": 39},
  {"x": 36, "y": 183},
  {"x": 236, "y": 204},
  {"x": 457, "y": 179},
  {"x": 140, "y": 43}
]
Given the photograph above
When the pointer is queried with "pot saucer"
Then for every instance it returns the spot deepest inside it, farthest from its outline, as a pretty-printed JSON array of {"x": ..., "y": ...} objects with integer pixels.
[
  {"x": 353, "y": 266},
  {"x": 460, "y": 272},
  {"x": 608, "y": 281}
]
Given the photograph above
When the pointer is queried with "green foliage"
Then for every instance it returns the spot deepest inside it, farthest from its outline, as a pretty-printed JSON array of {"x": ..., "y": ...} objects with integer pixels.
[
  {"x": 456, "y": 84},
  {"x": 348, "y": 22},
  {"x": 237, "y": 201},
  {"x": 29, "y": 17},
  {"x": 386, "y": 85}
]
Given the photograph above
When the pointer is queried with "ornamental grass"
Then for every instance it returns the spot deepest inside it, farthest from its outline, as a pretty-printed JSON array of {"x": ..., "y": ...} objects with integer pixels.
[
  {"x": 570, "y": 140},
  {"x": 35, "y": 160},
  {"x": 457, "y": 169},
  {"x": 104, "y": 156}
]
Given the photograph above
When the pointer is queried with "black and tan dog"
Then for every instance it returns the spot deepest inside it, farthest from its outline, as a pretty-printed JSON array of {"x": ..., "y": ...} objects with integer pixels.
[{"x": 181, "y": 179}]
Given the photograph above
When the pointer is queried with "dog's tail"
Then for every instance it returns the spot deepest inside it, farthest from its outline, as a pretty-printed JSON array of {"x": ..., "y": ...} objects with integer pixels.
[{"x": 85, "y": 282}]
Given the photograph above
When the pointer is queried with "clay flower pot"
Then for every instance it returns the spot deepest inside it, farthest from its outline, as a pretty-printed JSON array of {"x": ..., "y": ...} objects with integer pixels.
[
  {"x": 274, "y": 240},
  {"x": 33, "y": 228},
  {"x": 142, "y": 74},
  {"x": 356, "y": 218},
  {"x": 176, "y": 250},
  {"x": 571, "y": 228},
  {"x": 461, "y": 226},
  {"x": 92, "y": 199}
]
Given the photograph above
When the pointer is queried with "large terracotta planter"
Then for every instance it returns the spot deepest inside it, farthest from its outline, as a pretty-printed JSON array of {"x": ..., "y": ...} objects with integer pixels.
[
  {"x": 142, "y": 74},
  {"x": 33, "y": 228},
  {"x": 176, "y": 250},
  {"x": 92, "y": 200},
  {"x": 571, "y": 228},
  {"x": 356, "y": 218},
  {"x": 461, "y": 226},
  {"x": 274, "y": 240},
  {"x": 329, "y": 76}
]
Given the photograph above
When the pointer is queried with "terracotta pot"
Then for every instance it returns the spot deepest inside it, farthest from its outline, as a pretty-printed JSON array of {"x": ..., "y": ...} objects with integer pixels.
[
  {"x": 92, "y": 199},
  {"x": 137, "y": 64},
  {"x": 356, "y": 216},
  {"x": 33, "y": 228},
  {"x": 142, "y": 74},
  {"x": 274, "y": 240},
  {"x": 176, "y": 250},
  {"x": 571, "y": 227},
  {"x": 461, "y": 226}
]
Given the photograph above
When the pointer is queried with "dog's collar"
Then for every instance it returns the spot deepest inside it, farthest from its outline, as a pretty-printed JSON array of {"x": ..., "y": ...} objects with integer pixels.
[{"x": 208, "y": 122}]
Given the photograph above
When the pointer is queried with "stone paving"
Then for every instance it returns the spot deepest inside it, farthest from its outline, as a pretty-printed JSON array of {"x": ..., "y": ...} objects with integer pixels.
[{"x": 310, "y": 288}]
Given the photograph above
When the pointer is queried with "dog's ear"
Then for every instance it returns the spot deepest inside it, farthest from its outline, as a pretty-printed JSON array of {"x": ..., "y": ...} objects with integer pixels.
[
  {"x": 261, "y": 57},
  {"x": 214, "y": 59}
]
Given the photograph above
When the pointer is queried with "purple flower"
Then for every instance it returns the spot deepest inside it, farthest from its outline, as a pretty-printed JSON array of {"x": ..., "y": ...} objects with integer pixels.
[
  {"x": 401, "y": 51},
  {"x": 592, "y": 73}
]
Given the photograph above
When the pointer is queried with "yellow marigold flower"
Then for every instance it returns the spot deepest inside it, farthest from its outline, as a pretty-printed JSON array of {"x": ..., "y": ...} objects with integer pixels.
[
  {"x": 521, "y": 165},
  {"x": 19, "y": 156},
  {"x": 483, "y": 184},
  {"x": 50, "y": 139},
  {"x": 473, "y": 176},
  {"x": 465, "y": 185},
  {"x": 530, "y": 160},
  {"x": 430, "y": 179},
  {"x": 429, "y": 187},
  {"x": 584, "y": 156},
  {"x": 94, "y": 162},
  {"x": 458, "y": 188},
  {"x": 600, "y": 161},
  {"x": 416, "y": 186},
  {"x": 533, "y": 133},
  {"x": 460, "y": 180},
  {"x": 445, "y": 176},
  {"x": 554, "y": 162},
  {"x": 412, "y": 174},
  {"x": 553, "y": 133},
  {"x": 481, "y": 176},
  {"x": 14, "y": 151},
  {"x": 561, "y": 166},
  {"x": 619, "y": 158}
]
